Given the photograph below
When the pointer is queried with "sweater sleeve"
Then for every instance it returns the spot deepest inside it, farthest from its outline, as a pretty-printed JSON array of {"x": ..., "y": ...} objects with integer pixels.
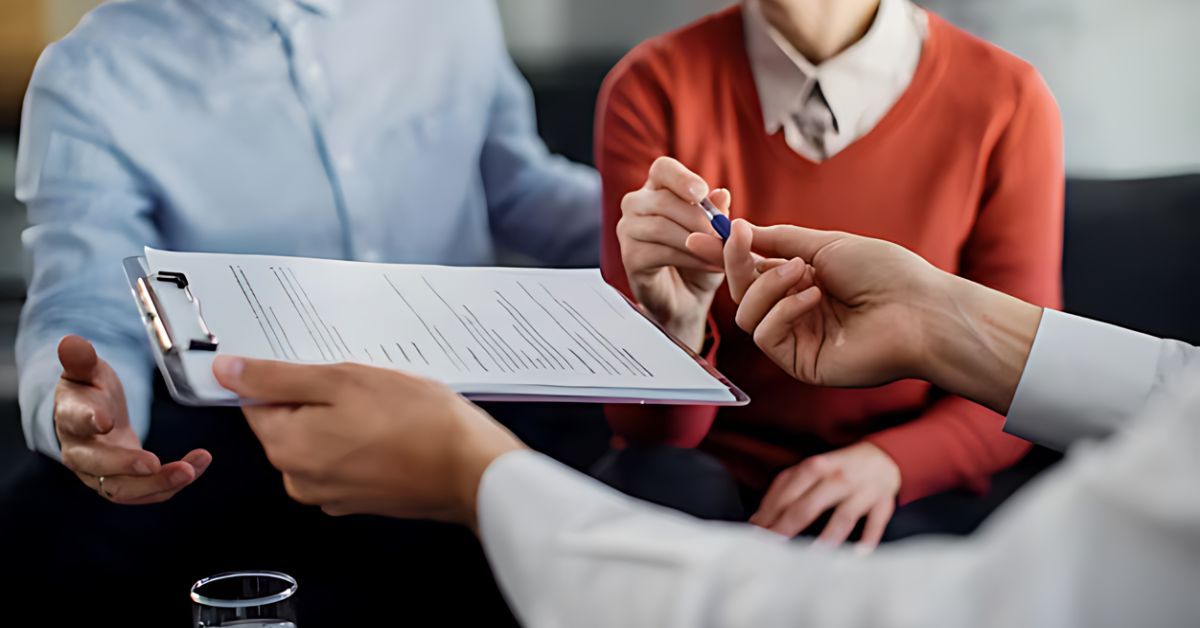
[
  {"x": 1015, "y": 247},
  {"x": 632, "y": 130}
]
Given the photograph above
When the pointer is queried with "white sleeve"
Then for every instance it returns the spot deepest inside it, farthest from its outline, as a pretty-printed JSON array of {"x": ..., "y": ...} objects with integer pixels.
[
  {"x": 1084, "y": 379},
  {"x": 1110, "y": 538}
]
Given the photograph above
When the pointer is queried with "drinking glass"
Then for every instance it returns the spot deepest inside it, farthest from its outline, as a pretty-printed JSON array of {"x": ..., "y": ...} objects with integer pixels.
[{"x": 247, "y": 599}]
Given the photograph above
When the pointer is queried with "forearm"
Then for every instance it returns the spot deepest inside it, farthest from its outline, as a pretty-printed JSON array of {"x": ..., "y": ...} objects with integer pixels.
[
  {"x": 1015, "y": 247},
  {"x": 567, "y": 550},
  {"x": 1058, "y": 378},
  {"x": 84, "y": 295},
  {"x": 976, "y": 341},
  {"x": 550, "y": 211},
  {"x": 540, "y": 204}
]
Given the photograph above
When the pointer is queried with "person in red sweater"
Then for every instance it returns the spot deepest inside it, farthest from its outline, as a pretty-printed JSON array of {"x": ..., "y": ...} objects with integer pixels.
[{"x": 869, "y": 116}]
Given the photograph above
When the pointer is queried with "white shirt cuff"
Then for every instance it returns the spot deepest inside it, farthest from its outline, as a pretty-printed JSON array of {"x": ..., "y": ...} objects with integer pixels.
[
  {"x": 39, "y": 378},
  {"x": 1083, "y": 379}
]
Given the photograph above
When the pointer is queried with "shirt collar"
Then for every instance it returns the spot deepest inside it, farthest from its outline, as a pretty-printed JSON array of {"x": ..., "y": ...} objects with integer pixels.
[{"x": 851, "y": 82}]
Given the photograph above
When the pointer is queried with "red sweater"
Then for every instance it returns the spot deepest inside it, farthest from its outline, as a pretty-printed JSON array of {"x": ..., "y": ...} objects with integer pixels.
[{"x": 966, "y": 170}]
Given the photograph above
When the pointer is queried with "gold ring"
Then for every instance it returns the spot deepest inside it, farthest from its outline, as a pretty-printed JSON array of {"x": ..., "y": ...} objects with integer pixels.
[{"x": 104, "y": 491}]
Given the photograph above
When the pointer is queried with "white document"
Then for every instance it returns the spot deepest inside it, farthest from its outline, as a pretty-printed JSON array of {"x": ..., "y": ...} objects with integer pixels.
[{"x": 485, "y": 332}]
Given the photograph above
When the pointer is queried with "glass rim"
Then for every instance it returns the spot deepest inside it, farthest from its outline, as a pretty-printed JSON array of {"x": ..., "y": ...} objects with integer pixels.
[{"x": 261, "y": 601}]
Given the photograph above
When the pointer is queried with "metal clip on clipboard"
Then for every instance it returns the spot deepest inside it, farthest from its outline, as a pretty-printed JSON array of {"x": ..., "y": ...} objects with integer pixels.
[{"x": 175, "y": 324}]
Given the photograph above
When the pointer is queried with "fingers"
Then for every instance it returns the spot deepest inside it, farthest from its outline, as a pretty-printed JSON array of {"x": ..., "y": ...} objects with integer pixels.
[
  {"x": 280, "y": 382},
  {"x": 153, "y": 488},
  {"x": 788, "y": 241},
  {"x": 78, "y": 358},
  {"x": 272, "y": 425},
  {"x": 656, "y": 230},
  {"x": 804, "y": 511},
  {"x": 877, "y": 520},
  {"x": 666, "y": 204},
  {"x": 669, "y": 174},
  {"x": 768, "y": 290},
  {"x": 778, "y": 326},
  {"x": 722, "y": 199},
  {"x": 94, "y": 457},
  {"x": 787, "y": 487},
  {"x": 845, "y": 517},
  {"x": 663, "y": 243},
  {"x": 654, "y": 256},
  {"x": 707, "y": 247},
  {"x": 770, "y": 263},
  {"x": 739, "y": 263}
]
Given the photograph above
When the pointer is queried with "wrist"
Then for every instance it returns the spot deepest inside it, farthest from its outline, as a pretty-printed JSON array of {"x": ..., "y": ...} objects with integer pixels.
[
  {"x": 481, "y": 443},
  {"x": 690, "y": 334},
  {"x": 978, "y": 340},
  {"x": 689, "y": 327}
]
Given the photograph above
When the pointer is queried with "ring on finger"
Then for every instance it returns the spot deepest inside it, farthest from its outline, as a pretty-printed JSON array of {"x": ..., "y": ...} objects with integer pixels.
[{"x": 100, "y": 489}]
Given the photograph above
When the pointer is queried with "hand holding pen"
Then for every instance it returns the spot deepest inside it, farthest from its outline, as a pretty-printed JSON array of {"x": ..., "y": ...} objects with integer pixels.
[
  {"x": 719, "y": 221},
  {"x": 675, "y": 284}
]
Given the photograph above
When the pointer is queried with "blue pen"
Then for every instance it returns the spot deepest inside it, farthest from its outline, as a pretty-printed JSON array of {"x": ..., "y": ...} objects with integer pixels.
[{"x": 719, "y": 221}]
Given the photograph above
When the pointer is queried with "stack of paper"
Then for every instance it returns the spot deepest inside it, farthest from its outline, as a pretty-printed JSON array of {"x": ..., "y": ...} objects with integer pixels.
[{"x": 498, "y": 333}]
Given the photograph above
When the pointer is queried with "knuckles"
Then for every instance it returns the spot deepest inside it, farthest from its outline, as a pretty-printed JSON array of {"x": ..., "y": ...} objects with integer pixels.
[
  {"x": 343, "y": 374},
  {"x": 334, "y": 511},
  {"x": 817, "y": 465},
  {"x": 70, "y": 458},
  {"x": 761, "y": 336},
  {"x": 622, "y": 229},
  {"x": 298, "y": 490},
  {"x": 278, "y": 456},
  {"x": 630, "y": 202},
  {"x": 800, "y": 513}
]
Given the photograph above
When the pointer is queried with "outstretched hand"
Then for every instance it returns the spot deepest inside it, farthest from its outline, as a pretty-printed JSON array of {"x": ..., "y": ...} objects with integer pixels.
[
  {"x": 97, "y": 441},
  {"x": 836, "y": 309},
  {"x": 831, "y": 309}
]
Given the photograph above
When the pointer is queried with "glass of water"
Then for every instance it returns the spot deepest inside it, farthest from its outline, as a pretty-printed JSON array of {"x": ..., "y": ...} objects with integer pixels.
[{"x": 248, "y": 599}]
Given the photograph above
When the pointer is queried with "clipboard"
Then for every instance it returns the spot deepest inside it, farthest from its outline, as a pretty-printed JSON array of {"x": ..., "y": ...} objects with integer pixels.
[
  {"x": 172, "y": 334},
  {"x": 182, "y": 343}
]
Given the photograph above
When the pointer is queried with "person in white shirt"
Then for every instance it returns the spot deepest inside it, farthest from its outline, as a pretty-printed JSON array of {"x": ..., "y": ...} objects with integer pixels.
[{"x": 1109, "y": 538}]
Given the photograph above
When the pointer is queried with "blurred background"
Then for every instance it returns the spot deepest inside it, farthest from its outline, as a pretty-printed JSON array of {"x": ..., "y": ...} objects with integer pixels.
[{"x": 1124, "y": 74}]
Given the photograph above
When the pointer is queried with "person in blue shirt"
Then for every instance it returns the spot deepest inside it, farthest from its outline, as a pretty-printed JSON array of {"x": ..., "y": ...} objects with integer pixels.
[{"x": 377, "y": 130}]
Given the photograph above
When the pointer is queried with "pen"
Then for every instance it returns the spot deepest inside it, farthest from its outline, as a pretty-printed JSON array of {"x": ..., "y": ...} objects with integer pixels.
[{"x": 719, "y": 221}]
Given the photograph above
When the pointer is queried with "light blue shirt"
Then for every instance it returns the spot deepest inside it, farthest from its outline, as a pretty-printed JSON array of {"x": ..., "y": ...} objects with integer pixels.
[{"x": 379, "y": 130}]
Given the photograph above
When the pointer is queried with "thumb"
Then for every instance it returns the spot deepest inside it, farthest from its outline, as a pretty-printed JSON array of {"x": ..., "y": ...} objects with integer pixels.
[
  {"x": 78, "y": 358},
  {"x": 274, "y": 382},
  {"x": 740, "y": 264},
  {"x": 786, "y": 241}
]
